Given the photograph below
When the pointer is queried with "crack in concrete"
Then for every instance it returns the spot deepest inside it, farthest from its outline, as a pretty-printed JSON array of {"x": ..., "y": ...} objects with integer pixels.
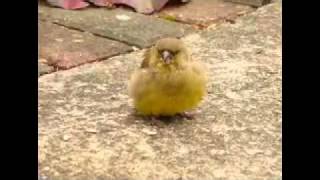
[
  {"x": 95, "y": 34},
  {"x": 56, "y": 68}
]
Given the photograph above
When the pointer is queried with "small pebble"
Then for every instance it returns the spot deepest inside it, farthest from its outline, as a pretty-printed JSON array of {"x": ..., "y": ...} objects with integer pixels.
[
  {"x": 42, "y": 60},
  {"x": 59, "y": 40},
  {"x": 259, "y": 51},
  {"x": 123, "y": 17},
  {"x": 135, "y": 48},
  {"x": 149, "y": 132},
  {"x": 77, "y": 40},
  {"x": 91, "y": 131},
  {"x": 43, "y": 178},
  {"x": 66, "y": 137}
]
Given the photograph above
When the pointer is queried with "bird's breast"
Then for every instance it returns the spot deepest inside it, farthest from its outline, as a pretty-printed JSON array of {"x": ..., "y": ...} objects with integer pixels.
[
  {"x": 176, "y": 82},
  {"x": 168, "y": 93}
]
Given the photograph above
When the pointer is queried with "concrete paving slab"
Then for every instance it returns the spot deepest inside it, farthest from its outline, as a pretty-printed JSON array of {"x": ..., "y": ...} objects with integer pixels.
[
  {"x": 44, "y": 69},
  {"x": 204, "y": 12},
  {"x": 64, "y": 48},
  {"x": 117, "y": 24}
]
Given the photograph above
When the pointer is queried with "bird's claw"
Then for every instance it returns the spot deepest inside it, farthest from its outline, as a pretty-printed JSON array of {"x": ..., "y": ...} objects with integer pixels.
[{"x": 186, "y": 115}]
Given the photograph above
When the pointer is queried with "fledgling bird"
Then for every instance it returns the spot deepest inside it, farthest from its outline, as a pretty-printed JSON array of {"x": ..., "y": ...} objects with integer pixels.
[{"x": 169, "y": 82}]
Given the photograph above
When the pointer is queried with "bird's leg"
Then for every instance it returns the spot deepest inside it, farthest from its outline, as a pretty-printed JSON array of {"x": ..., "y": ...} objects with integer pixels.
[
  {"x": 154, "y": 118},
  {"x": 163, "y": 119},
  {"x": 188, "y": 116}
]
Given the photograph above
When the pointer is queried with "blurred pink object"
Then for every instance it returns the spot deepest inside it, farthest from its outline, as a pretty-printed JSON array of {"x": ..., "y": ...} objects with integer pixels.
[
  {"x": 141, "y": 6},
  {"x": 69, "y": 4},
  {"x": 107, "y": 3}
]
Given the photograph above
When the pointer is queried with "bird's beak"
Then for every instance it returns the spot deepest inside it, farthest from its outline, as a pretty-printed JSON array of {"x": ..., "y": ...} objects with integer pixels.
[{"x": 167, "y": 57}]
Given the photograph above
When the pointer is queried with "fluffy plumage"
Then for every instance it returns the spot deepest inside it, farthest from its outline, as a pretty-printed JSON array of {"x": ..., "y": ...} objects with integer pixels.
[{"x": 168, "y": 81}]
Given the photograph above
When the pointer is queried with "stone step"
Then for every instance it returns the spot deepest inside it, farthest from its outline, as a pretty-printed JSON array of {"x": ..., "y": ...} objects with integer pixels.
[
  {"x": 255, "y": 3},
  {"x": 203, "y": 12},
  {"x": 44, "y": 69},
  {"x": 117, "y": 24},
  {"x": 64, "y": 48}
]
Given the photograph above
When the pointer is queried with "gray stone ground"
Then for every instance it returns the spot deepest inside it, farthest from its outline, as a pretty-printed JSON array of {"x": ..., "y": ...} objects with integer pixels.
[
  {"x": 65, "y": 48},
  {"x": 132, "y": 28},
  {"x": 71, "y": 38},
  {"x": 88, "y": 130}
]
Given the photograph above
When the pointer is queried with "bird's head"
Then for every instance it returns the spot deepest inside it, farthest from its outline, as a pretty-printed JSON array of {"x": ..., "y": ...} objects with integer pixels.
[{"x": 171, "y": 51}]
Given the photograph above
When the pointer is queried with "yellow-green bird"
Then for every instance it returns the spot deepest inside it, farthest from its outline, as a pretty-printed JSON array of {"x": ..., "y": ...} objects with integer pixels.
[{"x": 168, "y": 81}]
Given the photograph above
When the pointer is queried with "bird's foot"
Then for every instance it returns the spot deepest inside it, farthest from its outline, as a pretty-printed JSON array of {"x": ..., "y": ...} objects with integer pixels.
[
  {"x": 151, "y": 118},
  {"x": 188, "y": 116},
  {"x": 161, "y": 118},
  {"x": 155, "y": 120}
]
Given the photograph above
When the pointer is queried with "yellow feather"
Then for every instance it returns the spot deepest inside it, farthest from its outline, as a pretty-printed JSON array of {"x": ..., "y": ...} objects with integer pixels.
[{"x": 163, "y": 89}]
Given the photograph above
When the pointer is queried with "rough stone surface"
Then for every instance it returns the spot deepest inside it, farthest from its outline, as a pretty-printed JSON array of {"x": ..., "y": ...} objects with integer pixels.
[
  {"x": 87, "y": 128},
  {"x": 132, "y": 28},
  {"x": 255, "y": 3},
  {"x": 65, "y": 48},
  {"x": 44, "y": 68},
  {"x": 204, "y": 12}
]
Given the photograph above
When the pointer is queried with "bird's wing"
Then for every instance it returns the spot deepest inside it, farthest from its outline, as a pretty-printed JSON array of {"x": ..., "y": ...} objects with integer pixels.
[{"x": 146, "y": 59}]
